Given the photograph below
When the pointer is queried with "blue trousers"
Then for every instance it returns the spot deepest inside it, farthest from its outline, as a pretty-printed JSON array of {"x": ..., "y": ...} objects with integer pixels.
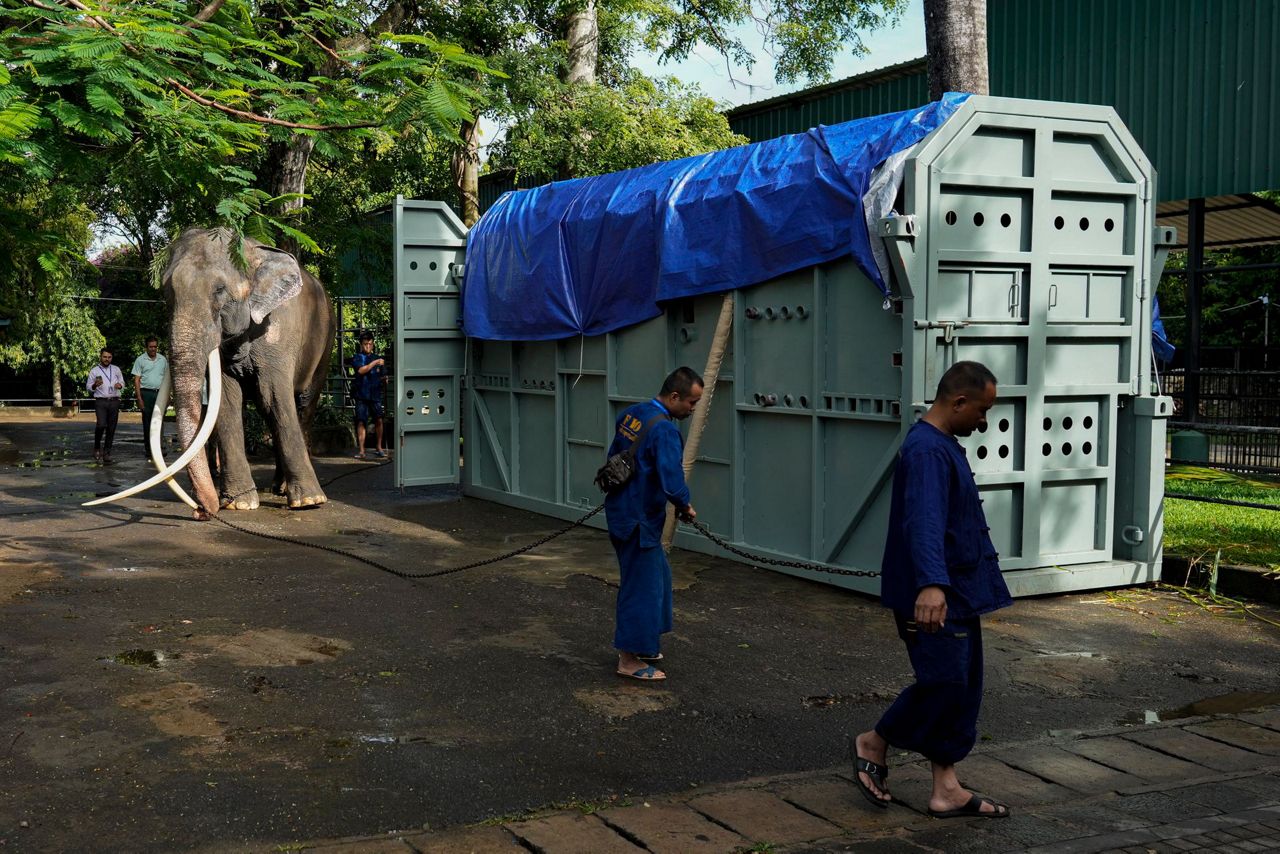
[
  {"x": 937, "y": 717},
  {"x": 644, "y": 596}
]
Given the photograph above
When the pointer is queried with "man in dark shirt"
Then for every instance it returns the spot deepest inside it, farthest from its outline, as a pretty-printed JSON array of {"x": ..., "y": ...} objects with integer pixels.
[
  {"x": 636, "y": 513},
  {"x": 940, "y": 573},
  {"x": 369, "y": 375}
]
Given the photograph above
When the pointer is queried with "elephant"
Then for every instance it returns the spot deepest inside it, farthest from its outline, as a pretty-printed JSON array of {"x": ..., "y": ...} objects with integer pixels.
[{"x": 263, "y": 331}]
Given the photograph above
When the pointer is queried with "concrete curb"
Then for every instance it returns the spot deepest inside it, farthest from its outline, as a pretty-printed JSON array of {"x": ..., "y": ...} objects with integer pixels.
[{"x": 1251, "y": 582}]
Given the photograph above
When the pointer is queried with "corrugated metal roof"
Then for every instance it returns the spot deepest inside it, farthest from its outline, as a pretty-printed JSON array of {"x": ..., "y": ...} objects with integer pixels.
[
  {"x": 1230, "y": 222},
  {"x": 898, "y": 87}
]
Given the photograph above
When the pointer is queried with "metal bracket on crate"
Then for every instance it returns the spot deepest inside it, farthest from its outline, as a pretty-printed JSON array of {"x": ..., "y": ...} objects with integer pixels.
[
  {"x": 898, "y": 227},
  {"x": 457, "y": 271},
  {"x": 948, "y": 327}
]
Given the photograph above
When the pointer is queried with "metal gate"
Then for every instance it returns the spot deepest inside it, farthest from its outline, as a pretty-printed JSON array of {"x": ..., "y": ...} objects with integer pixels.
[{"x": 430, "y": 353}]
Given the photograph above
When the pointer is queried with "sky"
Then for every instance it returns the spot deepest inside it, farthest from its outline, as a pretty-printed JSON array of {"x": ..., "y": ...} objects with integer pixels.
[{"x": 889, "y": 46}]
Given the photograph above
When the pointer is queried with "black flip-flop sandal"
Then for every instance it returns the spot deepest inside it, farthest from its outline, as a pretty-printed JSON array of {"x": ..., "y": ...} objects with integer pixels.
[
  {"x": 973, "y": 809},
  {"x": 878, "y": 774}
]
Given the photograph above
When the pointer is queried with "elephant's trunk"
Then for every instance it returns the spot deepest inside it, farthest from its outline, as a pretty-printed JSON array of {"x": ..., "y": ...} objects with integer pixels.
[{"x": 189, "y": 365}]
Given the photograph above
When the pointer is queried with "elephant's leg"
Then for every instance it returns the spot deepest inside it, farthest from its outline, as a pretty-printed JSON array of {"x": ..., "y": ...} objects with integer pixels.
[
  {"x": 280, "y": 482},
  {"x": 238, "y": 489},
  {"x": 302, "y": 487},
  {"x": 280, "y": 478}
]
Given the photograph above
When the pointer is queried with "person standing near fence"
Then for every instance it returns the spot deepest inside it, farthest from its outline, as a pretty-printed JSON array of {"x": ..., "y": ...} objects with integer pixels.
[
  {"x": 148, "y": 373},
  {"x": 369, "y": 375},
  {"x": 105, "y": 384}
]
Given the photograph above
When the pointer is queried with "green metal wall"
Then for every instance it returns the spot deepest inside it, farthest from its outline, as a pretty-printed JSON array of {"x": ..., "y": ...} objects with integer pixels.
[{"x": 1195, "y": 81}]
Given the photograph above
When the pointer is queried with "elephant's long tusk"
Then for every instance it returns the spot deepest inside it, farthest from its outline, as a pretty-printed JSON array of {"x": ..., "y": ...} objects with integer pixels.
[
  {"x": 153, "y": 438},
  {"x": 197, "y": 445}
]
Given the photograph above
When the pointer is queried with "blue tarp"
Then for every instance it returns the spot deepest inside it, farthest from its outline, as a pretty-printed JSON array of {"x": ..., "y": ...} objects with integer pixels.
[
  {"x": 1159, "y": 339},
  {"x": 592, "y": 255}
]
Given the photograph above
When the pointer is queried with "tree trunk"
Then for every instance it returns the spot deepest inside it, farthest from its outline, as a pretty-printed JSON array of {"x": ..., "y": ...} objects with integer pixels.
[
  {"x": 465, "y": 167},
  {"x": 289, "y": 175},
  {"x": 710, "y": 376},
  {"x": 956, "y": 39},
  {"x": 583, "y": 36},
  {"x": 57, "y": 386}
]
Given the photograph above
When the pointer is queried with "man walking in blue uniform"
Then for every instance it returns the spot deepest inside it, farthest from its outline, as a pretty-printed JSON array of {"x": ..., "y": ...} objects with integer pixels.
[
  {"x": 636, "y": 513},
  {"x": 940, "y": 573}
]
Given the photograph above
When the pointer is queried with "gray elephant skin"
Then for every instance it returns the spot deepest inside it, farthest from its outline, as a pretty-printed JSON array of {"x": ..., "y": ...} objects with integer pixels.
[{"x": 274, "y": 326}]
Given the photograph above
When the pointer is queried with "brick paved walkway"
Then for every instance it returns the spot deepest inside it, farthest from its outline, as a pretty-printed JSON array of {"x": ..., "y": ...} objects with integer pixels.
[{"x": 1204, "y": 784}]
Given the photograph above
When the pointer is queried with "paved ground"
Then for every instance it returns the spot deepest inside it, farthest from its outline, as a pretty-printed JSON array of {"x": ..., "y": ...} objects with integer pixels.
[
  {"x": 171, "y": 685},
  {"x": 1205, "y": 784}
]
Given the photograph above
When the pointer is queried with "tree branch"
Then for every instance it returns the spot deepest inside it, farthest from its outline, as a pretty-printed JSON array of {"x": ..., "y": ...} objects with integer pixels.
[
  {"x": 206, "y": 14},
  {"x": 260, "y": 119},
  {"x": 212, "y": 9},
  {"x": 334, "y": 54}
]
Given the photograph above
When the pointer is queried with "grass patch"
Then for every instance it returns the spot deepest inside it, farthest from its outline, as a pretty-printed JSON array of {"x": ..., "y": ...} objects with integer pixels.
[{"x": 1246, "y": 535}]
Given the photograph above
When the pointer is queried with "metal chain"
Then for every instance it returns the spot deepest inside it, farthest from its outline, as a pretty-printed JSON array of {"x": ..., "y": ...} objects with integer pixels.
[
  {"x": 581, "y": 520},
  {"x": 401, "y": 573},
  {"x": 794, "y": 564}
]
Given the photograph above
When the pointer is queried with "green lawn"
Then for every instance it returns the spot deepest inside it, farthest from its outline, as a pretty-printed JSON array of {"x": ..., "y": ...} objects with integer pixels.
[{"x": 1246, "y": 535}]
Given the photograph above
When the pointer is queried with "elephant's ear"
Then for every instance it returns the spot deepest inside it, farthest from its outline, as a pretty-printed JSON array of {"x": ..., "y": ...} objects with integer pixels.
[{"x": 276, "y": 279}]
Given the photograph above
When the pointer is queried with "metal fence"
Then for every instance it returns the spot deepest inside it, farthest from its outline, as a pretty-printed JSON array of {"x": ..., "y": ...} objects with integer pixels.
[
  {"x": 1242, "y": 398},
  {"x": 1234, "y": 448},
  {"x": 356, "y": 315},
  {"x": 1239, "y": 410}
]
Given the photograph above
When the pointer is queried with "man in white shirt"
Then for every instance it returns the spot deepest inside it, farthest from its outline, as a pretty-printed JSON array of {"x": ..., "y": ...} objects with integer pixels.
[
  {"x": 148, "y": 373},
  {"x": 105, "y": 384}
]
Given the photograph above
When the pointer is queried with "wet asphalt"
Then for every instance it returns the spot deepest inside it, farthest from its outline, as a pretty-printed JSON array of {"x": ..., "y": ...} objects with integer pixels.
[{"x": 167, "y": 684}]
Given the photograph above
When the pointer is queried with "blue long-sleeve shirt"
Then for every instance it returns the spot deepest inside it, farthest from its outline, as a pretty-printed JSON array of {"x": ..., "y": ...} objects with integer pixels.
[
  {"x": 938, "y": 534},
  {"x": 366, "y": 386},
  {"x": 658, "y": 479}
]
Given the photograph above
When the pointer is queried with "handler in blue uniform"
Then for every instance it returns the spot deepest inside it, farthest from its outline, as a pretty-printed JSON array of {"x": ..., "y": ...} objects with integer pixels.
[
  {"x": 940, "y": 573},
  {"x": 636, "y": 513}
]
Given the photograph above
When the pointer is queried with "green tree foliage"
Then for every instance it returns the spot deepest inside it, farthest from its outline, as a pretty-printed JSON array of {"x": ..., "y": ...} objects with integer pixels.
[
  {"x": 41, "y": 264},
  {"x": 129, "y": 308},
  {"x": 638, "y": 122},
  {"x": 349, "y": 186},
  {"x": 199, "y": 94}
]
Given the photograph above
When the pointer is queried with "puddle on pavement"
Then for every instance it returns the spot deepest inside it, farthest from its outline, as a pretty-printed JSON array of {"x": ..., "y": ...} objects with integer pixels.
[
  {"x": 379, "y": 738},
  {"x": 139, "y": 657},
  {"x": 71, "y": 497},
  {"x": 1236, "y": 701}
]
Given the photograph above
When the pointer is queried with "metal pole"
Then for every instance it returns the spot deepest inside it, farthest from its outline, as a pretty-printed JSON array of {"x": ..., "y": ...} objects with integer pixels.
[
  {"x": 1195, "y": 282},
  {"x": 1266, "y": 330}
]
